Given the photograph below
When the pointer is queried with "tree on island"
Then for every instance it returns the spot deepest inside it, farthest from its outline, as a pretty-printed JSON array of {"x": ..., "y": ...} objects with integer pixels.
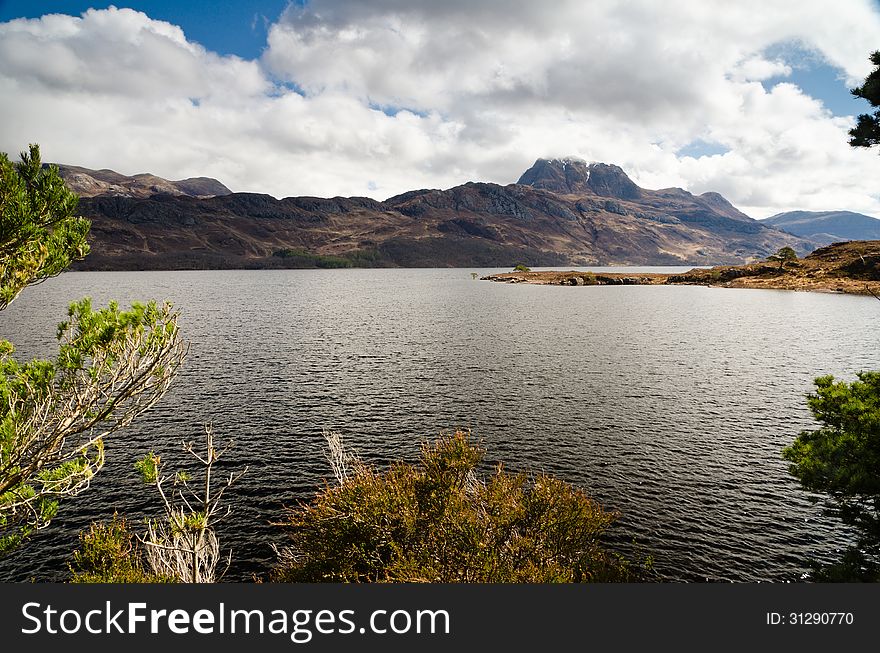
[
  {"x": 866, "y": 133},
  {"x": 783, "y": 256},
  {"x": 522, "y": 268},
  {"x": 111, "y": 366}
]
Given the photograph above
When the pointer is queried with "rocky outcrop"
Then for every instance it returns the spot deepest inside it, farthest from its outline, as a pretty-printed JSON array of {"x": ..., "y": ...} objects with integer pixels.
[
  {"x": 552, "y": 278},
  {"x": 575, "y": 177}
]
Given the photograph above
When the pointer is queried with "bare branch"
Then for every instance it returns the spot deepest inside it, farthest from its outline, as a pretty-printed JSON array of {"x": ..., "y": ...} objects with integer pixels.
[
  {"x": 185, "y": 546},
  {"x": 341, "y": 461}
]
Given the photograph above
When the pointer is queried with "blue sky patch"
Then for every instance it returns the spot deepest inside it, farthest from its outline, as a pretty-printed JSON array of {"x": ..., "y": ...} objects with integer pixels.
[
  {"x": 238, "y": 28},
  {"x": 700, "y": 148},
  {"x": 816, "y": 78}
]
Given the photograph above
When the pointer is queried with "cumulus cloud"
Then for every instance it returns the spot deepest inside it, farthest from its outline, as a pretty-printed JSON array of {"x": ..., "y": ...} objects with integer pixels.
[
  {"x": 758, "y": 68},
  {"x": 376, "y": 98}
]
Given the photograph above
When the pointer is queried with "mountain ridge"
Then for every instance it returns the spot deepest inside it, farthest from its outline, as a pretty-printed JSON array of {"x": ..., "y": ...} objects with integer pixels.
[
  {"x": 601, "y": 218},
  {"x": 827, "y": 227}
]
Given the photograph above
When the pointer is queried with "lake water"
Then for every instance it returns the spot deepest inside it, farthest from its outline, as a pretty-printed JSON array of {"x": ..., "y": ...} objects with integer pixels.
[{"x": 669, "y": 404}]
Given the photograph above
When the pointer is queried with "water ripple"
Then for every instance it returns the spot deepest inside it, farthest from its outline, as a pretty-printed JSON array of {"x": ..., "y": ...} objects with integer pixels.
[{"x": 669, "y": 404}]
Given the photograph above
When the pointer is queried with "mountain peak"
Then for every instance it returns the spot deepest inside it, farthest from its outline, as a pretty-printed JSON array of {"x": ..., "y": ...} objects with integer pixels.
[{"x": 571, "y": 175}]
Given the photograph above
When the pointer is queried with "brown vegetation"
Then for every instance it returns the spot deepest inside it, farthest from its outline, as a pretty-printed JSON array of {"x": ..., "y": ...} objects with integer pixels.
[
  {"x": 439, "y": 521},
  {"x": 851, "y": 267}
]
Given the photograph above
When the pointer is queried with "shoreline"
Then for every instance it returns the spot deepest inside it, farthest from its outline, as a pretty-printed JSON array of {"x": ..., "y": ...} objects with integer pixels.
[{"x": 784, "y": 280}]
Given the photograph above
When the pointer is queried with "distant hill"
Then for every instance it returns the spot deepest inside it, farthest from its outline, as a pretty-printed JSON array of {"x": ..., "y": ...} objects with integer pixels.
[
  {"x": 827, "y": 227},
  {"x": 91, "y": 183},
  {"x": 562, "y": 211}
]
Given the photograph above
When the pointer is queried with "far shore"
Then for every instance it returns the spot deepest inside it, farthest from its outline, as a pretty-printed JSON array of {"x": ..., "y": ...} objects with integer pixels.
[{"x": 694, "y": 278}]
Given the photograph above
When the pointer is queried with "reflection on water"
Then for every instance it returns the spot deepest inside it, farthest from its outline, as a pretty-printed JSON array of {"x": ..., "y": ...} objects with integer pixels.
[{"x": 669, "y": 404}]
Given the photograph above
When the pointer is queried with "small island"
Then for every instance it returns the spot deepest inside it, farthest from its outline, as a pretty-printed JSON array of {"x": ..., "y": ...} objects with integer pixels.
[{"x": 849, "y": 267}]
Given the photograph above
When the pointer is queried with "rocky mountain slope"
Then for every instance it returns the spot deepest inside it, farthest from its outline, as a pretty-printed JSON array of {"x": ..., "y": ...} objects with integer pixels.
[
  {"x": 560, "y": 212},
  {"x": 90, "y": 183},
  {"x": 827, "y": 227}
]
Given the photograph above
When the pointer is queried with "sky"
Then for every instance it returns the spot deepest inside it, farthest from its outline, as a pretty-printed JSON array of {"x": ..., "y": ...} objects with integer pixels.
[{"x": 372, "y": 98}]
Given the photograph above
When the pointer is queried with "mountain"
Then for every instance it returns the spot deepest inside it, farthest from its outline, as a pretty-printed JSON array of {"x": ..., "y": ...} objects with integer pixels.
[
  {"x": 575, "y": 176},
  {"x": 91, "y": 183},
  {"x": 561, "y": 212},
  {"x": 827, "y": 227}
]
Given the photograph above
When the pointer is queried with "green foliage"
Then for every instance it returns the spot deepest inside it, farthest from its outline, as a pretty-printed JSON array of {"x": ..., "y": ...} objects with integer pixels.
[
  {"x": 110, "y": 553},
  {"x": 866, "y": 133},
  {"x": 854, "y": 564},
  {"x": 54, "y": 414},
  {"x": 843, "y": 456},
  {"x": 437, "y": 522},
  {"x": 787, "y": 254},
  {"x": 366, "y": 258},
  {"x": 148, "y": 468},
  {"x": 841, "y": 459},
  {"x": 304, "y": 259},
  {"x": 522, "y": 268},
  {"x": 111, "y": 364},
  {"x": 783, "y": 256},
  {"x": 39, "y": 235}
]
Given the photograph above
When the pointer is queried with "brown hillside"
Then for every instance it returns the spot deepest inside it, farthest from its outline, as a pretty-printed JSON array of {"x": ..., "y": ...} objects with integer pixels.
[{"x": 560, "y": 213}]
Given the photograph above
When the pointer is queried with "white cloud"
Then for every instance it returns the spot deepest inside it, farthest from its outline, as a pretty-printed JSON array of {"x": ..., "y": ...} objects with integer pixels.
[
  {"x": 758, "y": 69},
  {"x": 392, "y": 95}
]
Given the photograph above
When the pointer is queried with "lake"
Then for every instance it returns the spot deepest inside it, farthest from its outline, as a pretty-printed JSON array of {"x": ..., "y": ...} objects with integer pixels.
[{"x": 670, "y": 404}]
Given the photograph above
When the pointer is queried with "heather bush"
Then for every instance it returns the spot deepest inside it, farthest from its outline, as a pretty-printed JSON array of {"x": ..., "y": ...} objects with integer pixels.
[
  {"x": 438, "y": 521},
  {"x": 109, "y": 552}
]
